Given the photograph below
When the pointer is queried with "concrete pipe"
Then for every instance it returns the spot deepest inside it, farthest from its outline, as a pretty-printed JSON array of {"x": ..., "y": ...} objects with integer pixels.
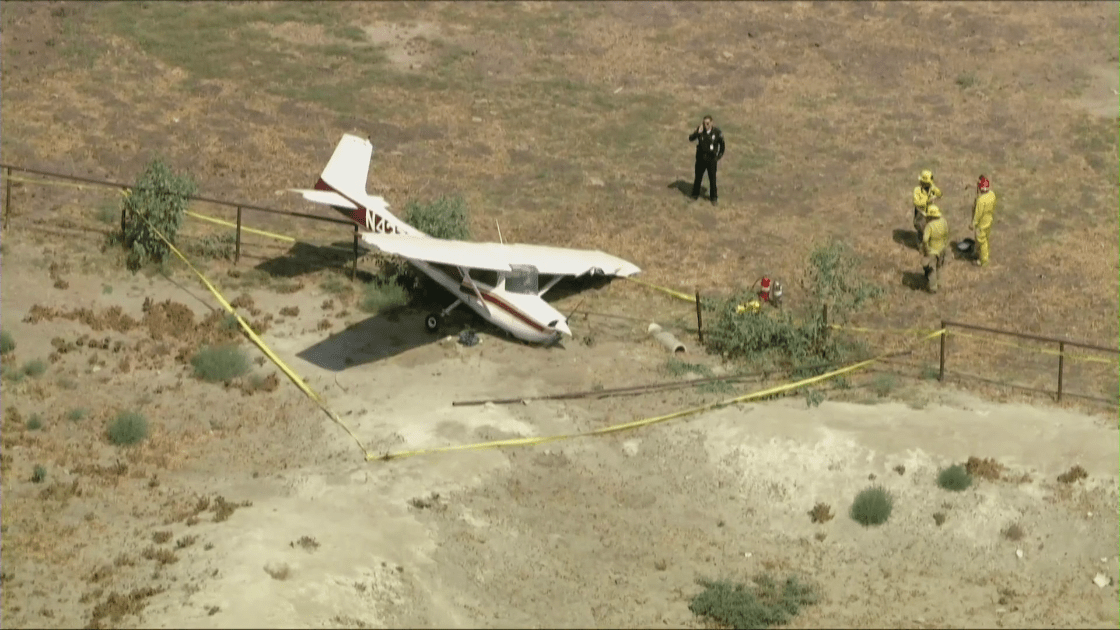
[{"x": 666, "y": 339}]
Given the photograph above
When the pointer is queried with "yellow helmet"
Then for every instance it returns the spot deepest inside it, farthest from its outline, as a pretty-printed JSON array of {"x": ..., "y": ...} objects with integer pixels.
[
  {"x": 933, "y": 212},
  {"x": 926, "y": 177}
]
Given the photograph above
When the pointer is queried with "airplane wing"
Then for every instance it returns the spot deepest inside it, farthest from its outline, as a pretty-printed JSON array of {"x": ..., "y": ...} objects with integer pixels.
[{"x": 498, "y": 257}]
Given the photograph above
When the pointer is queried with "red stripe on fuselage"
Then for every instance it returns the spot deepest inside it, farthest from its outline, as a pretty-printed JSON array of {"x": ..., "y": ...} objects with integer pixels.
[{"x": 513, "y": 311}]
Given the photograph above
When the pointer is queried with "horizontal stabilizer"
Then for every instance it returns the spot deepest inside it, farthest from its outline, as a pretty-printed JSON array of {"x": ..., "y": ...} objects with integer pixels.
[{"x": 325, "y": 197}]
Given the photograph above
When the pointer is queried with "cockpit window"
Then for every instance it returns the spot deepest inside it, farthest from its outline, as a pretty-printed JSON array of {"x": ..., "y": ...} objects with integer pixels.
[{"x": 522, "y": 279}]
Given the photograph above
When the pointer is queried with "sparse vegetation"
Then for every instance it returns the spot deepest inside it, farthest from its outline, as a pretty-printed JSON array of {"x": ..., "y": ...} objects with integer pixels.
[
  {"x": 221, "y": 363},
  {"x": 1075, "y": 473},
  {"x": 795, "y": 339},
  {"x": 161, "y": 556},
  {"x": 872, "y": 506},
  {"x": 954, "y": 478},
  {"x": 379, "y": 295},
  {"x": 307, "y": 543},
  {"x": 216, "y": 246},
  {"x": 966, "y": 80},
  {"x": 762, "y": 604},
  {"x": 128, "y": 428},
  {"x": 161, "y": 537},
  {"x": 39, "y": 474},
  {"x": 35, "y": 422},
  {"x": 883, "y": 384},
  {"x": 75, "y": 415},
  {"x": 445, "y": 217},
  {"x": 821, "y": 513},
  {"x": 158, "y": 201},
  {"x": 7, "y": 342},
  {"x": 108, "y": 213},
  {"x": 34, "y": 368},
  {"x": 939, "y": 518},
  {"x": 1014, "y": 532}
]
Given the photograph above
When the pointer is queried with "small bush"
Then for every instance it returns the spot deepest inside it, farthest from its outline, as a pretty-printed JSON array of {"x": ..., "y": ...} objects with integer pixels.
[
  {"x": 216, "y": 246},
  {"x": 161, "y": 197},
  {"x": 223, "y": 363},
  {"x": 872, "y": 506},
  {"x": 378, "y": 295},
  {"x": 883, "y": 385},
  {"x": 128, "y": 428},
  {"x": 7, "y": 342},
  {"x": 34, "y": 423},
  {"x": 965, "y": 81},
  {"x": 445, "y": 217},
  {"x": 1014, "y": 532},
  {"x": 796, "y": 337},
  {"x": 39, "y": 474},
  {"x": 108, "y": 213},
  {"x": 34, "y": 368},
  {"x": 954, "y": 478},
  {"x": 740, "y": 606},
  {"x": 75, "y": 415}
]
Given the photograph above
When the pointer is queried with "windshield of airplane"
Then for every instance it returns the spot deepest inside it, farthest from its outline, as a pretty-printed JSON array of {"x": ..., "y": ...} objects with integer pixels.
[{"x": 522, "y": 279}]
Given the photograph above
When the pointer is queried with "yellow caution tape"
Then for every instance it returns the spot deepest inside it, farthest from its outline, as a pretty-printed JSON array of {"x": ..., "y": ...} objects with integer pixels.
[
  {"x": 1073, "y": 357},
  {"x": 259, "y": 342},
  {"x": 529, "y": 441},
  {"x": 243, "y": 228},
  {"x": 676, "y": 294}
]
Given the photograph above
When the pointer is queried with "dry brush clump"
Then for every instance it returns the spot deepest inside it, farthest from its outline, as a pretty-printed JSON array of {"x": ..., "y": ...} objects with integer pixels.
[
  {"x": 872, "y": 506},
  {"x": 761, "y": 604},
  {"x": 955, "y": 478}
]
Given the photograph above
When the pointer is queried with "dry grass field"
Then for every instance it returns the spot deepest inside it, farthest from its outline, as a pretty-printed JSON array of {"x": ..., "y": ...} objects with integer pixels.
[{"x": 565, "y": 124}]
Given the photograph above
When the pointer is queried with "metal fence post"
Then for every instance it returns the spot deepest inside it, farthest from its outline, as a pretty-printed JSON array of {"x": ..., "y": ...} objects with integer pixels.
[
  {"x": 354, "y": 269},
  {"x": 1061, "y": 366},
  {"x": 699, "y": 319},
  {"x": 237, "y": 245},
  {"x": 8, "y": 198},
  {"x": 941, "y": 369}
]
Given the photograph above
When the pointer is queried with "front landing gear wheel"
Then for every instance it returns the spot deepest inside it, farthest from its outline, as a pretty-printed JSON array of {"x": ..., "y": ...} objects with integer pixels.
[{"x": 431, "y": 322}]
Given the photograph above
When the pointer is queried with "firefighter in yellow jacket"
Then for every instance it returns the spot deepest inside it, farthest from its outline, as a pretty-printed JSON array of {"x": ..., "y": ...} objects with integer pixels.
[
  {"x": 924, "y": 194},
  {"x": 935, "y": 239},
  {"x": 982, "y": 219}
]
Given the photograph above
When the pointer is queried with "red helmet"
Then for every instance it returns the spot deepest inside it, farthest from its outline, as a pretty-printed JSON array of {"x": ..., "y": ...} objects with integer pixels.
[{"x": 983, "y": 184}]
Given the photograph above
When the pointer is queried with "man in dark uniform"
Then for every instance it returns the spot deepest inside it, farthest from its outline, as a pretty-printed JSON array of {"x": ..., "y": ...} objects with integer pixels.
[{"x": 709, "y": 149}]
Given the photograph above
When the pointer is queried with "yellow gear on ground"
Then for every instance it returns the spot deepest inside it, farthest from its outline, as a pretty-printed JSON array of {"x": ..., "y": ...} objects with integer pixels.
[{"x": 753, "y": 306}]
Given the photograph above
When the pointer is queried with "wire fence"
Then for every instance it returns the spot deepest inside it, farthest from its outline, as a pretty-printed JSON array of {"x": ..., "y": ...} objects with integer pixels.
[{"x": 1054, "y": 367}]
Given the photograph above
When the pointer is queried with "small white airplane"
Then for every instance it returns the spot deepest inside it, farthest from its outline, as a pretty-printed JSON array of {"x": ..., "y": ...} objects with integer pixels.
[{"x": 505, "y": 286}]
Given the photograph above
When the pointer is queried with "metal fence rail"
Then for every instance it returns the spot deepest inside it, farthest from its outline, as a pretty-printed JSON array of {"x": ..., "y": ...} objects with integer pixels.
[
  {"x": 240, "y": 206},
  {"x": 1061, "y": 343}
]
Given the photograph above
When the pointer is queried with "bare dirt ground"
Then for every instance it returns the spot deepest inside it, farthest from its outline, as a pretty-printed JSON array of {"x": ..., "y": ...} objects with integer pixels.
[{"x": 247, "y": 506}]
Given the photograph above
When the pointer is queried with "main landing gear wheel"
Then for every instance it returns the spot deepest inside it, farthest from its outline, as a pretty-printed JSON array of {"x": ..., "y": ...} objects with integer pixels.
[{"x": 431, "y": 322}]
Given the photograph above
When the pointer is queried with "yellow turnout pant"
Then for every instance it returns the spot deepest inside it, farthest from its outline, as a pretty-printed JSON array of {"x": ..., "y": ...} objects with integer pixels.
[
  {"x": 932, "y": 265},
  {"x": 982, "y": 234}
]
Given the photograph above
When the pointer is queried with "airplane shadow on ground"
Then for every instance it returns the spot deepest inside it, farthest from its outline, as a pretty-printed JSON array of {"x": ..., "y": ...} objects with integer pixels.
[
  {"x": 377, "y": 337},
  {"x": 402, "y": 329},
  {"x": 305, "y": 258},
  {"x": 685, "y": 189}
]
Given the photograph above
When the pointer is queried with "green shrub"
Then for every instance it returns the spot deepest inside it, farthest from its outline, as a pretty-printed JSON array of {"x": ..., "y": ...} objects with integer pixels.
[
  {"x": 445, "y": 217},
  {"x": 160, "y": 196},
  {"x": 954, "y": 478},
  {"x": 75, "y": 415},
  {"x": 883, "y": 384},
  {"x": 216, "y": 246},
  {"x": 128, "y": 428},
  {"x": 39, "y": 474},
  {"x": 740, "y": 606},
  {"x": 379, "y": 295},
  {"x": 35, "y": 422},
  {"x": 872, "y": 506},
  {"x": 34, "y": 368},
  {"x": 795, "y": 338},
  {"x": 222, "y": 363},
  {"x": 7, "y": 343}
]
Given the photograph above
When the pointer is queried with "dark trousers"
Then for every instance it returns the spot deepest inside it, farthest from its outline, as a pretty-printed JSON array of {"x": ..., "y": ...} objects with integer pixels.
[{"x": 705, "y": 165}]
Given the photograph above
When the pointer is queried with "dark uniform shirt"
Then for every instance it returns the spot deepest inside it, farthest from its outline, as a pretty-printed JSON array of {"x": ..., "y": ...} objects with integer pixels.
[{"x": 710, "y": 144}]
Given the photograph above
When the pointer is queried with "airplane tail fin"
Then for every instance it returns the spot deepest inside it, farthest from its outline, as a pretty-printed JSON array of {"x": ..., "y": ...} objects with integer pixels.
[{"x": 348, "y": 169}]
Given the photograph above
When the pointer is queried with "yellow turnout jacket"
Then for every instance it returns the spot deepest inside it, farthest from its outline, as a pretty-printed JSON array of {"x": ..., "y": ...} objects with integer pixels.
[
  {"x": 923, "y": 197},
  {"x": 982, "y": 213},
  {"x": 935, "y": 237}
]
